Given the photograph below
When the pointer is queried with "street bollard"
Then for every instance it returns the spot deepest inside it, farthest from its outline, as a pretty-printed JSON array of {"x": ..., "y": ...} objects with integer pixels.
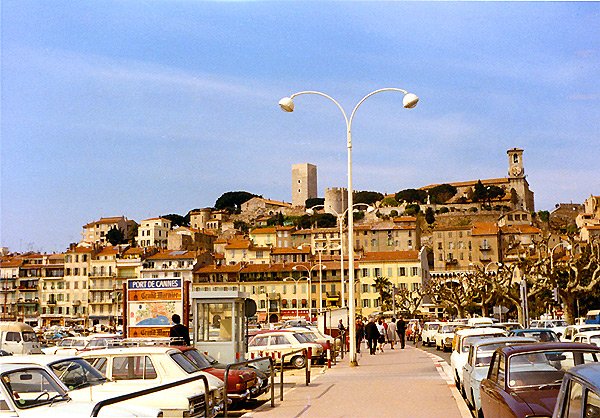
[
  {"x": 328, "y": 345},
  {"x": 309, "y": 361}
]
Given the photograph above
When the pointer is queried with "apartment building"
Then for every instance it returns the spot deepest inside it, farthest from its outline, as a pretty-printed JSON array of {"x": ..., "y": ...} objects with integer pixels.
[
  {"x": 95, "y": 232},
  {"x": 404, "y": 269},
  {"x": 401, "y": 234},
  {"x": 9, "y": 274},
  {"x": 101, "y": 287},
  {"x": 186, "y": 238},
  {"x": 244, "y": 251},
  {"x": 77, "y": 274},
  {"x": 176, "y": 264},
  {"x": 153, "y": 232},
  {"x": 55, "y": 304}
]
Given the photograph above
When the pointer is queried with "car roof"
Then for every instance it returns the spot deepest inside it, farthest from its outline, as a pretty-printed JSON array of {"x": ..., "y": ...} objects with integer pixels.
[
  {"x": 589, "y": 372},
  {"x": 9, "y": 367},
  {"x": 129, "y": 350},
  {"x": 588, "y": 333},
  {"x": 533, "y": 330},
  {"x": 545, "y": 346},
  {"x": 496, "y": 340},
  {"x": 479, "y": 331},
  {"x": 45, "y": 359}
]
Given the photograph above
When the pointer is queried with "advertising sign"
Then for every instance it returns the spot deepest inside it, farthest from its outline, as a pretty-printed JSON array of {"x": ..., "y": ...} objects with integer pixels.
[{"x": 150, "y": 305}]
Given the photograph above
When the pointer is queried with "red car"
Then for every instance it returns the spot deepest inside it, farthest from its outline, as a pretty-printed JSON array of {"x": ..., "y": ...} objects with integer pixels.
[
  {"x": 240, "y": 383},
  {"x": 524, "y": 380}
]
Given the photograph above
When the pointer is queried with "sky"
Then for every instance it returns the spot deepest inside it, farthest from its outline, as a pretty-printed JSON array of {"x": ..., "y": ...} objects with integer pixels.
[{"x": 146, "y": 108}]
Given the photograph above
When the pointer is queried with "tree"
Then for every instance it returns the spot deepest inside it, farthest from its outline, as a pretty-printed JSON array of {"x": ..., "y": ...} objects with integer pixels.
[
  {"x": 314, "y": 201},
  {"x": 412, "y": 209},
  {"x": 389, "y": 201},
  {"x": 442, "y": 193},
  {"x": 276, "y": 220},
  {"x": 383, "y": 286},
  {"x": 429, "y": 215},
  {"x": 241, "y": 226},
  {"x": 369, "y": 198},
  {"x": 324, "y": 220},
  {"x": 411, "y": 196},
  {"x": 177, "y": 220},
  {"x": 115, "y": 236},
  {"x": 409, "y": 300},
  {"x": 232, "y": 201},
  {"x": 543, "y": 215}
]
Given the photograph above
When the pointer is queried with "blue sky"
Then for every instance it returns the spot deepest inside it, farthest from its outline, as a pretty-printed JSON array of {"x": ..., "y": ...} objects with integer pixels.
[{"x": 143, "y": 108}]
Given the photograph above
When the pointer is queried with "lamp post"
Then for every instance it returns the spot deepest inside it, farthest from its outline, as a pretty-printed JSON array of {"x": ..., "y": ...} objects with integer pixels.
[
  {"x": 409, "y": 101},
  {"x": 562, "y": 243},
  {"x": 296, "y": 281},
  {"x": 309, "y": 271},
  {"x": 340, "y": 218}
]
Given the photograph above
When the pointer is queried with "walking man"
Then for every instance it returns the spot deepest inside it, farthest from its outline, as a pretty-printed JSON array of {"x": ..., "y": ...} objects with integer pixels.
[
  {"x": 401, "y": 329},
  {"x": 180, "y": 335},
  {"x": 391, "y": 332},
  {"x": 372, "y": 335},
  {"x": 360, "y": 333}
]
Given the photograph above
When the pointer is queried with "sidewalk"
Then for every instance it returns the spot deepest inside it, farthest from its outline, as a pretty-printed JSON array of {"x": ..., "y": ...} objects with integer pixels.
[{"x": 397, "y": 383}]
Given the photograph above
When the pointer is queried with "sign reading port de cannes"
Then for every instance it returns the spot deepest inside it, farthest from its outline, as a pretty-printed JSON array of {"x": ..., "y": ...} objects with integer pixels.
[{"x": 150, "y": 305}]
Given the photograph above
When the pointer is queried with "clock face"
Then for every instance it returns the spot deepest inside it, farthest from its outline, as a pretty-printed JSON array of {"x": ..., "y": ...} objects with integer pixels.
[{"x": 515, "y": 171}]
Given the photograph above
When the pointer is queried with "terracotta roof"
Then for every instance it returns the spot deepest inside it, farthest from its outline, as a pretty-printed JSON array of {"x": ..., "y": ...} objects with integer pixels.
[
  {"x": 484, "y": 228},
  {"x": 15, "y": 262},
  {"x": 134, "y": 251},
  {"x": 168, "y": 255},
  {"x": 110, "y": 220},
  {"x": 502, "y": 180},
  {"x": 156, "y": 219},
  {"x": 264, "y": 230},
  {"x": 405, "y": 219},
  {"x": 79, "y": 250},
  {"x": 520, "y": 229},
  {"x": 291, "y": 250},
  {"x": 285, "y": 228},
  {"x": 238, "y": 245},
  {"x": 390, "y": 256},
  {"x": 109, "y": 251},
  {"x": 218, "y": 269}
]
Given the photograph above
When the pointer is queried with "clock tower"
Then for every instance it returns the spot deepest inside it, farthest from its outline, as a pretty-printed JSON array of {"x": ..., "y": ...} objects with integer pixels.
[{"x": 515, "y": 163}]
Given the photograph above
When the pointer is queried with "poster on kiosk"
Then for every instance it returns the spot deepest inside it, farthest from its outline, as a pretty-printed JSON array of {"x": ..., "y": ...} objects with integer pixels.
[{"x": 150, "y": 305}]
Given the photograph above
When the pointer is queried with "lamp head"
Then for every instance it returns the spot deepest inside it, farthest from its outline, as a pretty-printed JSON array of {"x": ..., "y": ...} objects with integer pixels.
[
  {"x": 287, "y": 104},
  {"x": 409, "y": 101}
]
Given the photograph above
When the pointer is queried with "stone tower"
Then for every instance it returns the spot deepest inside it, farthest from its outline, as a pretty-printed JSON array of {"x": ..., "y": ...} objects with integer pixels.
[
  {"x": 304, "y": 183},
  {"x": 336, "y": 200},
  {"x": 517, "y": 180}
]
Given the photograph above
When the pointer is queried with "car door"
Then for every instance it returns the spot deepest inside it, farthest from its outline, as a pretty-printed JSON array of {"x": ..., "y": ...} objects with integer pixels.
[
  {"x": 280, "y": 345},
  {"x": 468, "y": 370},
  {"x": 490, "y": 387}
]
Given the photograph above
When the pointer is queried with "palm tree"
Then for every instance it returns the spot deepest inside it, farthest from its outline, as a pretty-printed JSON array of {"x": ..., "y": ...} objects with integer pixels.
[{"x": 383, "y": 286}]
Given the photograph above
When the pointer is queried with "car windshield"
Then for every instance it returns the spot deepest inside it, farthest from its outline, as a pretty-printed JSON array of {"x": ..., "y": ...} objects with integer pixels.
[
  {"x": 468, "y": 341},
  {"x": 545, "y": 368},
  {"x": 433, "y": 327},
  {"x": 485, "y": 352},
  {"x": 448, "y": 328},
  {"x": 77, "y": 373},
  {"x": 310, "y": 336},
  {"x": 33, "y": 387},
  {"x": 185, "y": 363},
  {"x": 559, "y": 323},
  {"x": 197, "y": 358},
  {"x": 540, "y": 335},
  {"x": 301, "y": 337}
]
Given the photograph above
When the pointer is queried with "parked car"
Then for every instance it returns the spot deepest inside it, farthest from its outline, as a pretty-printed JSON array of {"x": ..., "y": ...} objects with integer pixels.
[
  {"x": 240, "y": 383},
  {"x": 33, "y": 391},
  {"x": 133, "y": 368},
  {"x": 556, "y": 325},
  {"x": 571, "y": 330},
  {"x": 72, "y": 345},
  {"x": 429, "y": 331},
  {"x": 588, "y": 337},
  {"x": 263, "y": 376},
  {"x": 477, "y": 365},
  {"x": 18, "y": 338},
  {"x": 460, "y": 348},
  {"x": 524, "y": 380},
  {"x": 445, "y": 335},
  {"x": 540, "y": 334},
  {"x": 282, "y": 342},
  {"x": 480, "y": 321},
  {"x": 579, "y": 394}
]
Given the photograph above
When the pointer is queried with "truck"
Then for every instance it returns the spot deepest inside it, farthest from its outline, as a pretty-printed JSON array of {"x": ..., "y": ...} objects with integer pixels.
[{"x": 593, "y": 317}]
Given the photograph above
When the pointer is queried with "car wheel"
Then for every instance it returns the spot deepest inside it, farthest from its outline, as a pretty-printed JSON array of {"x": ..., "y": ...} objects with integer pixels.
[{"x": 298, "y": 362}]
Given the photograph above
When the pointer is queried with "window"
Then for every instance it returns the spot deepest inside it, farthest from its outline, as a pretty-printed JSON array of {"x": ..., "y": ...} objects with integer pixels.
[
  {"x": 389, "y": 272},
  {"x": 376, "y": 272},
  {"x": 365, "y": 272},
  {"x": 13, "y": 336},
  {"x": 279, "y": 340},
  {"x": 259, "y": 341},
  {"x": 401, "y": 271},
  {"x": 133, "y": 367},
  {"x": 365, "y": 288},
  {"x": 414, "y": 271},
  {"x": 366, "y": 303},
  {"x": 573, "y": 405}
]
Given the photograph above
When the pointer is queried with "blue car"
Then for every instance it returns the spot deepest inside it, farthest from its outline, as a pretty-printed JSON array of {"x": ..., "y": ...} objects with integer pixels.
[{"x": 540, "y": 334}]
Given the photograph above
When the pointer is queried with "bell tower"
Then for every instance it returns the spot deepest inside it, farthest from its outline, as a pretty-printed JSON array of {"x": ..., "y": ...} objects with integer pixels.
[{"x": 515, "y": 163}]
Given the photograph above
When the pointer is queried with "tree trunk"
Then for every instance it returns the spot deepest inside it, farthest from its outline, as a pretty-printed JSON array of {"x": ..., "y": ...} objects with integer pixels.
[{"x": 569, "y": 308}]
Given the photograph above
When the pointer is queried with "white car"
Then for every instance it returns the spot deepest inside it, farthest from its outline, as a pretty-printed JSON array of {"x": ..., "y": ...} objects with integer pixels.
[
  {"x": 282, "y": 342},
  {"x": 463, "y": 339},
  {"x": 557, "y": 325},
  {"x": 32, "y": 391},
  {"x": 69, "y": 346},
  {"x": 588, "y": 337},
  {"x": 135, "y": 368},
  {"x": 478, "y": 362},
  {"x": 429, "y": 331},
  {"x": 445, "y": 334},
  {"x": 572, "y": 330}
]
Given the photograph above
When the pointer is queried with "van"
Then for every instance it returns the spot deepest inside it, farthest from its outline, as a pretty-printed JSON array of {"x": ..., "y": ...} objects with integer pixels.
[
  {"x": 480, "y": 322},
  {"x": 18, "y": 338},
  {"x": 593, "y": 317}
]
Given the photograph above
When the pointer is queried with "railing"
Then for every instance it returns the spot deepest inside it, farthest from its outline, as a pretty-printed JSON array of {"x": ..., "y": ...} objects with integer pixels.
[
  {"x": 132, "y": 395},
  {"x": 243, "y": 363},
  {"x": 307, "y": 353}
]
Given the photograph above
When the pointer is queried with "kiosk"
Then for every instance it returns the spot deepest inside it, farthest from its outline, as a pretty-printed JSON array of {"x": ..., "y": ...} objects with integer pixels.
[{"x": 219, "y": 325}]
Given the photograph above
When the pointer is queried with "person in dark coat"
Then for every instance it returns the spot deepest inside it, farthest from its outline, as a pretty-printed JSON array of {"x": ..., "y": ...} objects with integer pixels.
[
  {"x": 401, "y": 330},
  {"x": 372, "y": 335},
  {"x": 178, "y": 332},
  {"x": 360, "y": 333}
]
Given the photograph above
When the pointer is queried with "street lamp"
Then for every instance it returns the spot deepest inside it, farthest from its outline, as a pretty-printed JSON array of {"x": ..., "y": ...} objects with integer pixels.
[
  {"x": 562, "y": 243},
  {"x": 409, "y": 101},
  {"x": 296, "y": 281},
  {"x": 340, "y": 218},
  {"x": 309, "y": 271}
]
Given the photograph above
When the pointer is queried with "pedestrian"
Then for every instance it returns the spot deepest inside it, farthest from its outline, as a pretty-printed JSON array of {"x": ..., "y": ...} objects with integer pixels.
[
  {"x": 381, "y": 330},
  {"x": 391, "y": 333},
  {"x": 180, "y": 334},
  {"x": 401, "y": 330},
  {"x": 417, "y": 333},
  {"x": 360, "y": 333},
  {"x": 341, "y": 328},
  {"x": 372, "y": 335}
]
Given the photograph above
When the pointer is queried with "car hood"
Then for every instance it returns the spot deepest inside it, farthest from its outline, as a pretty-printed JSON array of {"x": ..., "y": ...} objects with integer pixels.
[{"x": 540, "y": 402}]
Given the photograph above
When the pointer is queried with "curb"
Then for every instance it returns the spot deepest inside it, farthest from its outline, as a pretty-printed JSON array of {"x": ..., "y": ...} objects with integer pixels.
[{"x": 445, "y": 372}]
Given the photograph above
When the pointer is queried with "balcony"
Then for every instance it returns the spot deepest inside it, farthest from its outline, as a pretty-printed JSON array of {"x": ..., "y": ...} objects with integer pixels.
[
  {"x": 485, "y": 247},
  {"x": 51, "y": 303}
]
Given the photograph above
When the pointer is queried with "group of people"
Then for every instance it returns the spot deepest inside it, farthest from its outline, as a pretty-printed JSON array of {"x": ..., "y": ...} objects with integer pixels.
[{"x": 378, "y": 333}]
